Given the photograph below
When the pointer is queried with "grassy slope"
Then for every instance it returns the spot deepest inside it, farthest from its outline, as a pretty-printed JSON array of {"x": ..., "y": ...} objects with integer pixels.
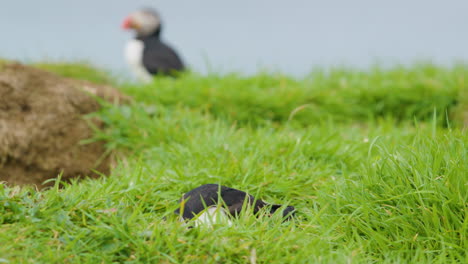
[{"x": 370, "y": 184}]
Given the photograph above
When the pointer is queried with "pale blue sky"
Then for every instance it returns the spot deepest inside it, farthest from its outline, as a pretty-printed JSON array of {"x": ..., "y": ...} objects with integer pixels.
[{"x": 292, "y": 36}]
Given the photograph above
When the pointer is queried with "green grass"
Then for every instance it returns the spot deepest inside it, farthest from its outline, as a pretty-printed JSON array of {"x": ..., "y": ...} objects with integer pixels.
[
  {"x": 83, "y": 71},
  {"x": 344, "y": 95},
  {"x": 375, "y": 162}
]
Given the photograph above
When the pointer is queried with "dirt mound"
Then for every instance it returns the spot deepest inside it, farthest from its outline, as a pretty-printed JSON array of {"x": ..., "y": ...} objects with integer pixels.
[{"x": 42, "y": 125}]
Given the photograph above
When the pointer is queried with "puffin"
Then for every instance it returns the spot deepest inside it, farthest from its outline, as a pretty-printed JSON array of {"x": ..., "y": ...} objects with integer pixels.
[
  {"x": 214, "y": 203},
  {"x": 146, "y": 53}
]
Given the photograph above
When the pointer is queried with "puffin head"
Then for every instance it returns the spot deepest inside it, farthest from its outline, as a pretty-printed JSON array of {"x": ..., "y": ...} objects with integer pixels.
[{"x": 144, "y": 22}]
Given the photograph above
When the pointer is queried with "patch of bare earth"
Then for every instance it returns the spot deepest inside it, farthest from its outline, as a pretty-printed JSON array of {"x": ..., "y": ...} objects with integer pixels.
[{"x": 42, "y": 126}]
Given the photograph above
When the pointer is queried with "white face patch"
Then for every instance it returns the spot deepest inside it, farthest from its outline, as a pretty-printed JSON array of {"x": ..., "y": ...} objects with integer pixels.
[
  {"x": 211, "y": 216},
  {"x": 147, "y": 21},
  {"x": 134, "y": 57}
]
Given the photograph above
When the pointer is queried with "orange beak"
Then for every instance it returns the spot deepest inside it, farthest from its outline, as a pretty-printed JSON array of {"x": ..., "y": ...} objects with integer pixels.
[{"x": 127, "y": 23}]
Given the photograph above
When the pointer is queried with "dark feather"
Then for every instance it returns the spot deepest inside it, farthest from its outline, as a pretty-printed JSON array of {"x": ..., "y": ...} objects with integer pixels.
[
  {"x": 159, "y": 58},
  {"x": 196, "y": 200}
]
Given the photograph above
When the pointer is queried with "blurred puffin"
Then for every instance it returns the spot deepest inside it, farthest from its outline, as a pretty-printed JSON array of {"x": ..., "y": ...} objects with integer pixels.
[
  {"x": 146, "y": 54},
  {"x": 214, "y": 203}
]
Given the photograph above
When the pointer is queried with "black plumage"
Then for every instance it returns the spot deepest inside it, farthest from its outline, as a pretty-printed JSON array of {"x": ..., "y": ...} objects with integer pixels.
[
  {"x": 159, "y": 58},
  {"x": 196, "y": 200}
]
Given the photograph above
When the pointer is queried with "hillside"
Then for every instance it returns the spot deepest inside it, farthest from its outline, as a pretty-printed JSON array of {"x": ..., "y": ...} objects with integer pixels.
[{"x": 376, "y": 163}]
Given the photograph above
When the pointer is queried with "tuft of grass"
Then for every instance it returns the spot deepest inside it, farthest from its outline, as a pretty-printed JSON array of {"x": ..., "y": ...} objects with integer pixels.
[{"x": 370, "y": 184}]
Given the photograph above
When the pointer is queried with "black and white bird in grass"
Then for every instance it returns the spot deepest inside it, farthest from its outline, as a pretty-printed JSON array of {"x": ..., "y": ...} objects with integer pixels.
[
  {"x": 146, "y": 54},
  {"x": 213, "y": 203}
]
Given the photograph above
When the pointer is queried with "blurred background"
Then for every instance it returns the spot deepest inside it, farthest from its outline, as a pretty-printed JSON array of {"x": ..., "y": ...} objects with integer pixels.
[{"x": 244, "y": 35}]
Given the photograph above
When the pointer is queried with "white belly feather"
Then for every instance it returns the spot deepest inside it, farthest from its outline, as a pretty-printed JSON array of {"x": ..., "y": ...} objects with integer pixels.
[
  {"x": 211, "y": 216},
  {"x": 134, "y": 57}
]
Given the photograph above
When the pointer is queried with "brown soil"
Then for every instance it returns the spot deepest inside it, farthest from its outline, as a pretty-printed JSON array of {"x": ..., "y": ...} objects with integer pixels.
[{"x": 42, "y": 126}]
